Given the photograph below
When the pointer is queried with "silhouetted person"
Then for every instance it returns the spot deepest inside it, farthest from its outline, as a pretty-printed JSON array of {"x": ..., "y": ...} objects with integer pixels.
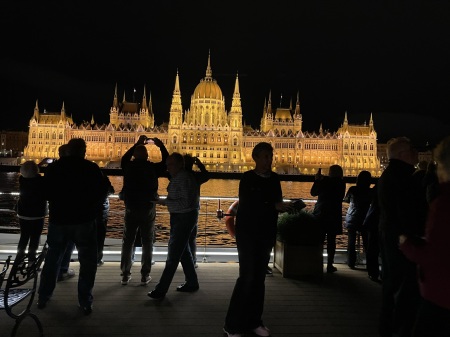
[
  {"x": 31, "y": 208},
  {"x": 140, "y": 192},
  {"x": 65, "y": 272},
  {"x": 182, "y": 203},
  {"x": 400, "y": 202},
  {"x": 75, "y": 192},
  {"x": 370, "y": 227},
  {"x": 202, "y": 177},
  {"x": 432, "y": 255},
  {"x": 359, "y": 197},
  {"x": 330, "y": 191},
  {"x": 260, "y": 201}
]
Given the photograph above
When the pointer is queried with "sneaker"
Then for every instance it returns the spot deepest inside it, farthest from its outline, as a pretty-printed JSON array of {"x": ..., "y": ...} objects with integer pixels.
[
  {"x": 66, "y": 275},
  {"x": 231, "y": 334},
  {"x": 269, "y": 271},
  {"x": 125, "y": 279},
  {"x": 262, "y": 331},
  {"x": 145, "y": 280},
  {"x": 100, "y": 263},
  {"x": 331, "y": 269}
]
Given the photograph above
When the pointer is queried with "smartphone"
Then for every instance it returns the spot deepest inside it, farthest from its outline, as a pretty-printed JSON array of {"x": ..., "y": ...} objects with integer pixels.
[{"x": 149, "y": 141}]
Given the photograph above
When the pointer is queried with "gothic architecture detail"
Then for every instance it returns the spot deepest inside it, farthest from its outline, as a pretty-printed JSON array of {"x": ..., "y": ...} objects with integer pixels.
[{"x": 207, "y": 130}]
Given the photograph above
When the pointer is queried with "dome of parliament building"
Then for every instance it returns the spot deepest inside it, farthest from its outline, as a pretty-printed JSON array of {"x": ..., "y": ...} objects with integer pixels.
[{"x": 208, "y": 87}]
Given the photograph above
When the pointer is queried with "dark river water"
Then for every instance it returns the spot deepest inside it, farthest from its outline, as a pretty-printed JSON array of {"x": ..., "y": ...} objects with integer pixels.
[{"x": 211, "y": 230}]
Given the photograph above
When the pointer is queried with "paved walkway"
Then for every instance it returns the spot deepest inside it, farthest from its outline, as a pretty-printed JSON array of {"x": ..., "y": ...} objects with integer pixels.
[{"x": 343, "y": 304}]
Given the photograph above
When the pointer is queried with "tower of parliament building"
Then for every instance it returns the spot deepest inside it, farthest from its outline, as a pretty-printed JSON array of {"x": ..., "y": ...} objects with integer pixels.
[{"x": 211, "y": 132}]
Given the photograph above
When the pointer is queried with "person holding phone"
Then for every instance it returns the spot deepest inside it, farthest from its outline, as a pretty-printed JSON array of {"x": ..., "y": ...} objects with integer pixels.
[{"x": 139, "y": 193}]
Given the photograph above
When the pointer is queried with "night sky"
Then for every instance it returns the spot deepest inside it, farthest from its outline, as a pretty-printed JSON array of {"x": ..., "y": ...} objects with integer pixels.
[{"x": 391, "y": 59}]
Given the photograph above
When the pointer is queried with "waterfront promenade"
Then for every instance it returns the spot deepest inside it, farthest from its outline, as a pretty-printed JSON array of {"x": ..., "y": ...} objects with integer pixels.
[{"x": 343, "y": 304}]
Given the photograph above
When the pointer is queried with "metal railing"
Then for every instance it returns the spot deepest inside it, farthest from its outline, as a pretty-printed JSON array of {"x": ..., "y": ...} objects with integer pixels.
[{"x": 212, "y": 231}]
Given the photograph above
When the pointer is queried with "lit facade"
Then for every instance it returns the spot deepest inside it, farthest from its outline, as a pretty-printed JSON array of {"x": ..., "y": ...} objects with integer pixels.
[{"x": 207, "y": 130}]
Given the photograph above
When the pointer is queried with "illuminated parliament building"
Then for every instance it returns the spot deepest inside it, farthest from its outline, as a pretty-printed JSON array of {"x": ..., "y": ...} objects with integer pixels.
[{"x": 211, "y": 132}]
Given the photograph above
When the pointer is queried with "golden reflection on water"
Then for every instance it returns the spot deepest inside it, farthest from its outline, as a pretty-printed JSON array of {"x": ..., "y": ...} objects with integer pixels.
[{"x": 211, "y": 230}]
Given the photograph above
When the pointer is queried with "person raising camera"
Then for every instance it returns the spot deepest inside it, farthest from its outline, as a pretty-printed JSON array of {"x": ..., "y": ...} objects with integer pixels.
[{"x": 139, "y": 193}]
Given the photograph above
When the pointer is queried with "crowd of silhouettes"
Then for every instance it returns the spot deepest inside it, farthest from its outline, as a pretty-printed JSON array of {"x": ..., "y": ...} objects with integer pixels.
[{"x": 402, "y": 220}]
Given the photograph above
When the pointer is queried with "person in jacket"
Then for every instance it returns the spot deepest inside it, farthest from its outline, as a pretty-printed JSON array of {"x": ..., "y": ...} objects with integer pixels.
[
  {"x": 182, "y": 203},
  {"x": 202, "y": 177},
  {"x": 330, "y": 191},
  {"x": 75, "y": 192},
  {"x": 359, "y": 197},
  {"x": 140, "y": 193},
  {"x": 400, "y": 200},
  {"x": 260, "y": 202},
  {"x": 431, "y": 253},
  {"x": 31, "y": 208}
]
